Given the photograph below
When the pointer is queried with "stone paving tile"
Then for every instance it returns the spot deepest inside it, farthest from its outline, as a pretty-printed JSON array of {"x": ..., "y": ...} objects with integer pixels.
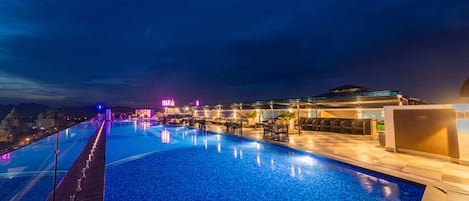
[{"x": 424, "y": 172}]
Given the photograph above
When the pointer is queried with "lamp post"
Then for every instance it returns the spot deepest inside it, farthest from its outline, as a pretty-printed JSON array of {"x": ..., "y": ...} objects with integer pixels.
[
  {"x": 299, "y": 122},
  {"x": 271, "y": 104}
]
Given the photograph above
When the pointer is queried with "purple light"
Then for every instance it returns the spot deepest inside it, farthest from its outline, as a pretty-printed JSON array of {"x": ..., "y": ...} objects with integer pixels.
[
  {"x": 197, "y": 103},
  {"x": 166, "y": 102},
  {"x": 5, "y": 156}
]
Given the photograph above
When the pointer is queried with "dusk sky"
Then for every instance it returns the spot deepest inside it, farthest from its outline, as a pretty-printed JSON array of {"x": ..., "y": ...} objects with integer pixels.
[{"x": 134, "y": 53}]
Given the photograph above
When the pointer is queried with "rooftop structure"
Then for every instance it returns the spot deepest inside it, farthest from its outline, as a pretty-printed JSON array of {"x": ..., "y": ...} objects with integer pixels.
[
  {"x": 345, "y": 102},
  {"x": 347, "y": 96}
]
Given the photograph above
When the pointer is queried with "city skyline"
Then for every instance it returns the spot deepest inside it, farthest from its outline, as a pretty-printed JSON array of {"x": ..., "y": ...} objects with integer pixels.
[{"x": 137, "y": 53}]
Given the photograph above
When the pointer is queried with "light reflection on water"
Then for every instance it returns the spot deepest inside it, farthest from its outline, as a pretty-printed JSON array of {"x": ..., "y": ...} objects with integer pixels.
[{"x": 299, "y": 166}]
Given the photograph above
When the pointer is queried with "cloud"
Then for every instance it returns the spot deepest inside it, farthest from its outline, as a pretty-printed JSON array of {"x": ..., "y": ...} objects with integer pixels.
[
  {"x": 218, "y": 50},
  {"x": 16, "y": 87}
]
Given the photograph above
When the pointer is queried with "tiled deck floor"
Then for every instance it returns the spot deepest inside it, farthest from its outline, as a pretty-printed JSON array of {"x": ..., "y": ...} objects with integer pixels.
[{"x": 444, "y": 180}]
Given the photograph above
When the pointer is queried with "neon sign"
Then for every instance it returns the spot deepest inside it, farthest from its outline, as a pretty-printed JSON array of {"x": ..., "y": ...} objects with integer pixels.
[{"x": 167, "y": 102}]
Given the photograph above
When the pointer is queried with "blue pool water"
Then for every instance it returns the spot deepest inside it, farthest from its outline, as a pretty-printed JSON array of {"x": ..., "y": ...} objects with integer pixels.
[
  {"x": 27, "y": 173},
  {"x": 151, "y": 162}
]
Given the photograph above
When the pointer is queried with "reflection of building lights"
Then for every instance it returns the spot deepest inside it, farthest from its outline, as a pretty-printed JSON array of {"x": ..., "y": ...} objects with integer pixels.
[
  {"x": 367, "y": 182},
  {"x": 165, "y": 137},
  {"x": 5, "y": 156},
  {"x": 299, "y": 172},
  {"x": 241, "y": 154},
  {"x": 194, "y": 137},
  {"x": 145, "y": 125},
  {"x": 235, "y": 152},
  {"x": 206, "y": 144},
  {"x": 219, "y": 148},
  {"x": 258, "y": 146},
  {"x": 387, "y": 191},
  {"x": 292, "y": 171},
  {"x": 5, "y": 159},
  {"x": 258, "y": 160},
  {"x": 308, "y": 160}
]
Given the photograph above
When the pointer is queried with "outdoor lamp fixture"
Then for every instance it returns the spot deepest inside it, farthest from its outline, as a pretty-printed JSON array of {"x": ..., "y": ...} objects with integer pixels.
[
  {"x": 99, "y": 107},
  {"x": 298, "y": 120},
  {"x": 258, "y": 115},
  {"x": 359, "y": 113}
]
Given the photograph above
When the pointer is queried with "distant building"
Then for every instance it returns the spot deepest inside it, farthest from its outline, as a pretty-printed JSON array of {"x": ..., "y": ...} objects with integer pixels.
[
  {"x": 50, "y": 119},
  {"x": 12, "y": 126},
  {"x": 144, "y": 113}
]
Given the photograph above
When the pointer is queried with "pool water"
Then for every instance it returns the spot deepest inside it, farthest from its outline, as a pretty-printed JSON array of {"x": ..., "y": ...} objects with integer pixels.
[
  {"x": 145, "y": 161},
  {"x": 27, "y": 173}
]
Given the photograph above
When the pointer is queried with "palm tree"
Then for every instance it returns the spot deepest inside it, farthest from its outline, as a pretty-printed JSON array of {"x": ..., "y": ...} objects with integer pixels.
[
  {"x": 251, "y": 115},
  {"x": 286, "y": 116}
]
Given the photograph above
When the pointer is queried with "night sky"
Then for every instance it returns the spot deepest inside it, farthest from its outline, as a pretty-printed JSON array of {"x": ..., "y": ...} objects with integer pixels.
[{"x": 134, "y": 53}]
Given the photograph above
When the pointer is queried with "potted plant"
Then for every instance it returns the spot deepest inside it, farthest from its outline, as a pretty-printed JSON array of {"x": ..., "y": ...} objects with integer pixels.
[
  {"x": 251, "y": 115},
  {"x": 286, "y": 117}
]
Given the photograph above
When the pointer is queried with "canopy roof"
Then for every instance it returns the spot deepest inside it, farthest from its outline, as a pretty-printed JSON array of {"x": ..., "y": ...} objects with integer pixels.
[{"x": 374, "y": 99}]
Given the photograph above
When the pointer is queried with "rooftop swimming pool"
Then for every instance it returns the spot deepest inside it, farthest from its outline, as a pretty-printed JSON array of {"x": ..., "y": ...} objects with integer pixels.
[
  {"x": 28, "y": 173},
  {"x": 145, "y": 161}
]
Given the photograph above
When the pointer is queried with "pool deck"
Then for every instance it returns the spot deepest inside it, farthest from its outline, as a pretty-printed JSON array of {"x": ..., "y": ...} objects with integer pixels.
[{"x": 444, "y": 180}]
